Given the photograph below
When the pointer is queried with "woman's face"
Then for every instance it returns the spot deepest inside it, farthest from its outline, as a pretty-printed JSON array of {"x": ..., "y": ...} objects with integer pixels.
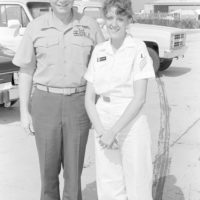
[{"x": 116, "y": 24}]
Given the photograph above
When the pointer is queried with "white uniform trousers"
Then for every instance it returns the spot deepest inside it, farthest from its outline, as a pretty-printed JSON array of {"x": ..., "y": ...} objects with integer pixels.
[{"x": 126, "y": 173}]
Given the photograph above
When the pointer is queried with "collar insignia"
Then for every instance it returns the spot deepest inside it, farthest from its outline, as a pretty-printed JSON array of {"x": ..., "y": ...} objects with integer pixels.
[
  {"x": 80, "y": 30},
  {"x": 100, "y": 59}
]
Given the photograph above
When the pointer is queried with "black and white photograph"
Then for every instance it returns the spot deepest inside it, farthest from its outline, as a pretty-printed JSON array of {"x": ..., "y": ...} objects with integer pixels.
[{"x": 99, "y": 100}]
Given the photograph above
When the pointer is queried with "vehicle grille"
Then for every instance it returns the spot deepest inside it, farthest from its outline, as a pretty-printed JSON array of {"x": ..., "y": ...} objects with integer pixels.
[
  {"x": 6, "y": 78},
  {"x": 178, "y": 40}
]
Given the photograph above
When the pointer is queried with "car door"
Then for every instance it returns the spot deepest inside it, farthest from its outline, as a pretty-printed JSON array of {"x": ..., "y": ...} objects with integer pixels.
[{"x": 13, "y": 21}]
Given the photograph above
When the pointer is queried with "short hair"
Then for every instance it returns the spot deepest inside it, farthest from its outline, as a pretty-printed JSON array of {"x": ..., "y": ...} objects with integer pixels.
[{"x": 124, "y": 7}]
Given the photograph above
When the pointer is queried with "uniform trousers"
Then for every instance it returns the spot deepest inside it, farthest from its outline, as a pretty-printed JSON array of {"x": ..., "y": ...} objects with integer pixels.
[
  {"x": 126, "y": 173},
  {"x": 61, "y": 130}
]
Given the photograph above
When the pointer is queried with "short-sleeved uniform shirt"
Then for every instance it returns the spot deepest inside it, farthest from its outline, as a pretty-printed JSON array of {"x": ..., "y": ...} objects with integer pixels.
[
  {"x": 114, "y": 74},
  {"x": 58, "y": 54}
]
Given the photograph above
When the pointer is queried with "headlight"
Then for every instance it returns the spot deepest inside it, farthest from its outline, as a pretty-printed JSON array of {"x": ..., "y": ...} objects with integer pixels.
[{"x": 178, "y": 40}]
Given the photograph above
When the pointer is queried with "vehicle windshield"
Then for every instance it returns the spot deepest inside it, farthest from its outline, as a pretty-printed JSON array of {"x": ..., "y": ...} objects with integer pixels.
[{"x": 38, "y": 8}]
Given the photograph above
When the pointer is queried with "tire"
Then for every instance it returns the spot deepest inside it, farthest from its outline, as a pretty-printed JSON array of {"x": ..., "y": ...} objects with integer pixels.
[
  {"x": 155, "y": 58},
  {"x": 11, "y": 103},
  {"x": 165, "y": 63}
]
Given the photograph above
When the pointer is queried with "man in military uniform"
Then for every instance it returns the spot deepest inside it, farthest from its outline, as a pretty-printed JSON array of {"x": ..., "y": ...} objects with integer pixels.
[{"x": 53, "y": 55}]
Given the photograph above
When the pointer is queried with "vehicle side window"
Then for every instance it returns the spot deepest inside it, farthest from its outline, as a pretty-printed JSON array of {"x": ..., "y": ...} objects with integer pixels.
[
  {"x": 93, "y": 12},
  {"x": 3, "y": 21},
  {"x": 9, "y": 12},
  {"x": 38, "y": 8}
]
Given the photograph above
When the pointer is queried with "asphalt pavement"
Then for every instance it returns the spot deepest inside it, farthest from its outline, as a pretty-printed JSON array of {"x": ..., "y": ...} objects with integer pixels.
[{"x": 174, "y": 117}]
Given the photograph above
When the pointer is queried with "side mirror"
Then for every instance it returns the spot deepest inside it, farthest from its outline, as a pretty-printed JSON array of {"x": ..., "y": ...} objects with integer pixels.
[{"x": 14, "y": 23}]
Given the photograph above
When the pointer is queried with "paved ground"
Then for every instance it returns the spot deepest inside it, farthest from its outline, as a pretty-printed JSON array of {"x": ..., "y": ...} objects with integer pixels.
[
  {"x": 174, "y": 113},
  {"x": 182, "y": 89}
]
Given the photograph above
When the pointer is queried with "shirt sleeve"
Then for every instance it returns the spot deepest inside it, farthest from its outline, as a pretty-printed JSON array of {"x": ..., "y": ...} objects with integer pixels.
[
  {"x": 90, "y": 73},
  {"x": 25, "y": 54},
  {"x": 143, "y": 65}
]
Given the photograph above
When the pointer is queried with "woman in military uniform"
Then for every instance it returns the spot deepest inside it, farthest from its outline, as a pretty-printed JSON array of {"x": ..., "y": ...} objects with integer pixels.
[{"x": 118, "y": 72}]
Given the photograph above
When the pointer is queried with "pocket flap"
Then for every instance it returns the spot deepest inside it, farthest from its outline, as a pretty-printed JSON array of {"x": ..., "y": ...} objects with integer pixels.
[
  {"x": 52, "y": 41},
  {"x": 40, "y": 42},
  {"x": 82, "y": 41}
]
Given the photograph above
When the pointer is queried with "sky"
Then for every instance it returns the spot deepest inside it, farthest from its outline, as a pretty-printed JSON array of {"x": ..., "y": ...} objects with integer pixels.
[{"x": 139, "y": 4}]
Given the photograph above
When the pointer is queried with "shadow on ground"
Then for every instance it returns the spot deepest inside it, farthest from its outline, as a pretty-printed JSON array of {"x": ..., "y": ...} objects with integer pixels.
[
  {"x": 90, "y": 192},
  {"x": 175, "y": 71},
  {"x": 9, "y": 115},
  {"x": 170, "y": 192}
]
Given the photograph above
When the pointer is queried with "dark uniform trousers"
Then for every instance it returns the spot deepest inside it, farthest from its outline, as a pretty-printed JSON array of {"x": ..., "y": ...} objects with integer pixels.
[{"x": 61, "y": 130}]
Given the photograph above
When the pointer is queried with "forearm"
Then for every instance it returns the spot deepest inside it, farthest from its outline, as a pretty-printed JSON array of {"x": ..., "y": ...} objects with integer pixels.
[
  {"x": 25, "y": 88},
  {"x": 128, "y": 115},
  {"x": 93, "y": 115}
]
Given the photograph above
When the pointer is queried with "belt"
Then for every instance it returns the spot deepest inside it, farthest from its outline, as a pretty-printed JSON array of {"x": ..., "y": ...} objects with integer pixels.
[
  {"x": 64, "y": 91},
  {"x": 110, "y": 99},
  {"x": 106, "y": 99}
]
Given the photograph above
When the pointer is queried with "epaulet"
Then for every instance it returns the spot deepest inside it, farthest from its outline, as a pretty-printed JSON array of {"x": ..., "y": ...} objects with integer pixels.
[{"x": 39, "y": 21}]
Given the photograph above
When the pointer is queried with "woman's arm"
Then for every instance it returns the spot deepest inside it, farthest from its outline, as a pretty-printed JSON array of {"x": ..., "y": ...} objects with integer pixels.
[
  {"x": 133, "y": 108},
  {"x": 90, "y": 97}
]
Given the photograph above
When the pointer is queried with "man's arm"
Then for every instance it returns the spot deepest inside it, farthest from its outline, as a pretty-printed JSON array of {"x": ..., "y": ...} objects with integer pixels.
[
  {"x": 25, "y": 58},
  {"x": 25, "y": 89}
]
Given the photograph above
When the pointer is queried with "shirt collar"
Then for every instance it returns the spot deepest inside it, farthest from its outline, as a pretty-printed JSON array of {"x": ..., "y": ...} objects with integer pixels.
[
  {"x": 53, "y": 22},
  {"x": 127, "y": 43}
]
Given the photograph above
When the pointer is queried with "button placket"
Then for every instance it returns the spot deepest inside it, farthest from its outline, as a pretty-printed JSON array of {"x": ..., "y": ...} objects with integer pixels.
[
  {"x": 64, "y": 52},
  {"x": 62, "y": 46}
]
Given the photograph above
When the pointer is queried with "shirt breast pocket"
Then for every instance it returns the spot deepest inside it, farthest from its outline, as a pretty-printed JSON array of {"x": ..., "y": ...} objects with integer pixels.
[
  {"x": 52, "y": 51},
  {"x": 123, "y": 68},
  {"x": 102, "y": 74},
  {"x": 40, "y": 47},
  {"x": 81, "y": 49},
  {"x": 47, "y": 50}
]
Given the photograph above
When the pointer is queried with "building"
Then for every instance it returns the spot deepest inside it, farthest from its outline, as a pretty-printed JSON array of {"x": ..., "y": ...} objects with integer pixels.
[{"x": 167, "y": 6}]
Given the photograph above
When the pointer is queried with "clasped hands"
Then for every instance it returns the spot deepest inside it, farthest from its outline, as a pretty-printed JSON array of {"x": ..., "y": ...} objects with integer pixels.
[{"x": 108, "y": 141}]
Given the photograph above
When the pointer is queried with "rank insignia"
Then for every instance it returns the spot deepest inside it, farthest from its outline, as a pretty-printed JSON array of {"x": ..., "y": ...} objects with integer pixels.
[
  {"x": 79, "y": 31},
  {"x": 100, "y": 59},
  {"x": 143, "y": 62}
]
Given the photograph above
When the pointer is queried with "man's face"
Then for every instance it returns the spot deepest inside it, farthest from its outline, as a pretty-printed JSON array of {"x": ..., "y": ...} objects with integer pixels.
[{"x": 61, "y": 6}]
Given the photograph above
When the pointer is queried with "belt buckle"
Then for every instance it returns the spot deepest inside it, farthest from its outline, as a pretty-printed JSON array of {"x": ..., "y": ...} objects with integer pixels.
[
  {"x": 106, "y": 99},
  {"x": 68, "y": 91}
]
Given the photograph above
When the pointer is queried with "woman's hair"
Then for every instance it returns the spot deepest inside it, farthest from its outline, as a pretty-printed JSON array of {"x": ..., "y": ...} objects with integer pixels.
[{"x": 124, "y": 7}]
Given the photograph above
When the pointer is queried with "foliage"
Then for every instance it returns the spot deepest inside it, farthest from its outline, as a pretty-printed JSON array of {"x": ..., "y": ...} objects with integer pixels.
[{"x": 166, "y": 20}]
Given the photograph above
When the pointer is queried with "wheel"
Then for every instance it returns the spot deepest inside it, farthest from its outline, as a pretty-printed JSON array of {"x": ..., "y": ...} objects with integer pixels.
[
  {"x": 13, "y": 102},
  {"x": 165, "y": 63},
  {"x": 155, "y": 58},
  {"x": 10, "y": 104}
]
